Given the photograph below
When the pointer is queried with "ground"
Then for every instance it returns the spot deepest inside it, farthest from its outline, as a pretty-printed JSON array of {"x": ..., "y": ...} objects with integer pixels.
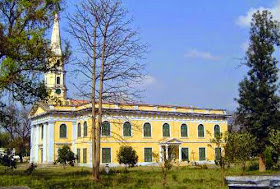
[{"x": 138, "y": 177}]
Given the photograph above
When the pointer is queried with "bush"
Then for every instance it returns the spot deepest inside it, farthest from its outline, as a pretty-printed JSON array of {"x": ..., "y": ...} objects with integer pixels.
[
  {"x": 127, "y": 156},
  {"x": 253, "y": 166},
  {"x": 66, "y": 156}
]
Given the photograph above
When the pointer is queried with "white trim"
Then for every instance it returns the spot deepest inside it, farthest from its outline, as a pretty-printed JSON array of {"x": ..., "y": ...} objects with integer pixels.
[
  {"x": 151, "y": 130},
  {"x": 144, "y": 155},
  {"x": 110, "y": 155}
]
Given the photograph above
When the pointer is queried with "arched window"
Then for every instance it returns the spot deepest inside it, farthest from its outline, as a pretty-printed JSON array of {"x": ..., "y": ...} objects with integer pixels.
[
  {"x": 200, "y": 130},
  {"x": 58, "y": 80},
  {"x": 105, "y": 128},
  {"x": 217, "y": 131},
  {"x": 126, "y": 129},
  {"x": 166, "y": 130},
  {"x": 147, "y": 130},
  {"x": 62, "y": 131},
  {"x": 184, "y": 130},
  {"x": 85, "y": 129},
  {"x": 79, "y": 130}
]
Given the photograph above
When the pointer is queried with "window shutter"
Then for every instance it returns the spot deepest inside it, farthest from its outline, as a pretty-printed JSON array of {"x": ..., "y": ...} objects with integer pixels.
[
  {"x": 185, "y": 154},
  {"x": 184, "y": 130},
  {"x": 85, "y": 128},
  {"x": 78, "y": 155},
  {"x": 147, "y": 130},
  {"x": 148, "y": 155},
  {"x": 85, "y": 155},
  {"x": 106, "y": 155},
  {"x": 201, "y": 154}
]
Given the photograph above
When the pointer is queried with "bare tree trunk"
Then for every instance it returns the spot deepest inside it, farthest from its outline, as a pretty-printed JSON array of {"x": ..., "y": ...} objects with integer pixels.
[
  {"x": 100, "y": 96},
  {"x": 93, "y": 128},
  {"x": 262, "y": 167}
]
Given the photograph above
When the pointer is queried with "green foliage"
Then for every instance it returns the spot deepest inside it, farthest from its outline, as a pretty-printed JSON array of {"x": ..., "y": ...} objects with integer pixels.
[
  {"x": 127, "y": 156},
  {"x": 258, "y": 110},
  {"x": 24, "y": 48},
  {"x": 66, "y": 156},
  {"x": 4, "y": 140}
]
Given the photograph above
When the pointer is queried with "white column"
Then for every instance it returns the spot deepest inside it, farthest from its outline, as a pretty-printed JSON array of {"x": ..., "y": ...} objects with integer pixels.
[
  {"x": 90, "y": 154},
  {"x": 36, "y": 142},
  {"x": 50, "y": 150},
  {"x": 74, "y": 136},
  {"x": 31, "y": 144},
  {"x": 45, "y": 146}
]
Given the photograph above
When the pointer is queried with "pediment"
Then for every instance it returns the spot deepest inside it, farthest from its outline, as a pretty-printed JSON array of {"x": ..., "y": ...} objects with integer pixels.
[
  {"x": 171, "y": 141},
  {"x": 38, "y": 109}
]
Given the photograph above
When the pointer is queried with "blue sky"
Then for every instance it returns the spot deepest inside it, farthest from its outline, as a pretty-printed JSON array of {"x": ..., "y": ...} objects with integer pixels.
[{"x": 195, "y": 47}]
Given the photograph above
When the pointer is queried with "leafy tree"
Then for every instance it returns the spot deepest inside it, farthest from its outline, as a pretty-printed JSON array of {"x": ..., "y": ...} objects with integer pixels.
[
  {"x": 66, "y": 156},
  {"x": 4, "y": 139},
  {"x": 258, "y": 110},
  {"x": 127, "y": 156},
  {"x": 245, "y": 144},
  {"x": 24, "y": 49}
]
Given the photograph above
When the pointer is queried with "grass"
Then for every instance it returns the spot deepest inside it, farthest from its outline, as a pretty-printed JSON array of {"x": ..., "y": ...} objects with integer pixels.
[{"x": 138, "y": 177}]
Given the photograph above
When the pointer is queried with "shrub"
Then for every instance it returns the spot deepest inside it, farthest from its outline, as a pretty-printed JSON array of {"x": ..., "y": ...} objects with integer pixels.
[
  {"x": 127, "y": 156},
  {"x": 66, "y": 156}
]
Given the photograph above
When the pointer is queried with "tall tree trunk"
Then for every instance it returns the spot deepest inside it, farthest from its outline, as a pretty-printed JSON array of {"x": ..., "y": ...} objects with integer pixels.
[
  {"x": 100, "y": 96},
  {"x": 262, "y": 167},
  {"x": 93, "y": 126}
]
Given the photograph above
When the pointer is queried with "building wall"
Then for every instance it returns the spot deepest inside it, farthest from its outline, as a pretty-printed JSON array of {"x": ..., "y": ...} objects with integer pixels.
[{"x": 138, "y": 141}]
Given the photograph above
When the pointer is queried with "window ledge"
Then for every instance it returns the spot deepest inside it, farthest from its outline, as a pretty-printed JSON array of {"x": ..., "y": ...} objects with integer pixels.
[{"x": 147, "y": 137}]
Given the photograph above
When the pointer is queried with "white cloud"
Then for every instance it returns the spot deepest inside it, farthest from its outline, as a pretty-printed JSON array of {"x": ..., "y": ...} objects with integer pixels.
[
  {"x": 148, "y": 81},
  {"x": 200, "y": 54},
  {"x": 245, "y": 20}
]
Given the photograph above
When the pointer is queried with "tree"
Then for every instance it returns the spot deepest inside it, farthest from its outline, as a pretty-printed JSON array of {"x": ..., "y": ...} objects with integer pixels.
[
  {"x": 24, "y": 49},
  {"x": 4, "y": 139},
  {"x": 166, "y": 161},
  {"x": 66, "y": 156},
  {"x": 16, "y": 124},
  {"x": 127, "y": 156},
  {"x": 110, "y": 63},
  {"x": 240, "y": 147},
  {"x": 258, "y": 110},
  {"x": 219, "y": 146}
]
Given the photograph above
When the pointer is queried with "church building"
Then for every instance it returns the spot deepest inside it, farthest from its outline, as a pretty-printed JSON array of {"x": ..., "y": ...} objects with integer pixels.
[{"x": 149, "y": 129}]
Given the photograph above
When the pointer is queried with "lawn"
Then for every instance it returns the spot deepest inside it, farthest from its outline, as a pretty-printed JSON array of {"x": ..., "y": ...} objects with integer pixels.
[{"x": 138, "y": 177}]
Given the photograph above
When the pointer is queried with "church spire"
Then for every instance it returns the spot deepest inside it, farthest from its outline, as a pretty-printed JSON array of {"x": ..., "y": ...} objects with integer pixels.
[{"x": 55, "y": 40}]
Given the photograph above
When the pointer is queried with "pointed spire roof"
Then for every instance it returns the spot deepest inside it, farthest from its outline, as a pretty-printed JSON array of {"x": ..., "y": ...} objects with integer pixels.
[{"x": 55, "y": 40}]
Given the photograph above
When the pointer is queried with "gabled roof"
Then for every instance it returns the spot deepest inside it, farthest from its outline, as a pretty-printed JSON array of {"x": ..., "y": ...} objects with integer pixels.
[
  {"x": 39, "y": 105},
  {"x": 171, "y": 141}
]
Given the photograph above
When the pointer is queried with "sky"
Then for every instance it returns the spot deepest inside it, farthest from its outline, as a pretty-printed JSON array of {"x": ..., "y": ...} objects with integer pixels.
[{"x": 195, "y": 48}]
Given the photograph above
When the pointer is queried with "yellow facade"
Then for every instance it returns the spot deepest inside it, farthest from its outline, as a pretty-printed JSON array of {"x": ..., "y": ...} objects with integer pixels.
[
  {"x": 149, "y": 129},
  {"x": 137, "y": 115}
]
